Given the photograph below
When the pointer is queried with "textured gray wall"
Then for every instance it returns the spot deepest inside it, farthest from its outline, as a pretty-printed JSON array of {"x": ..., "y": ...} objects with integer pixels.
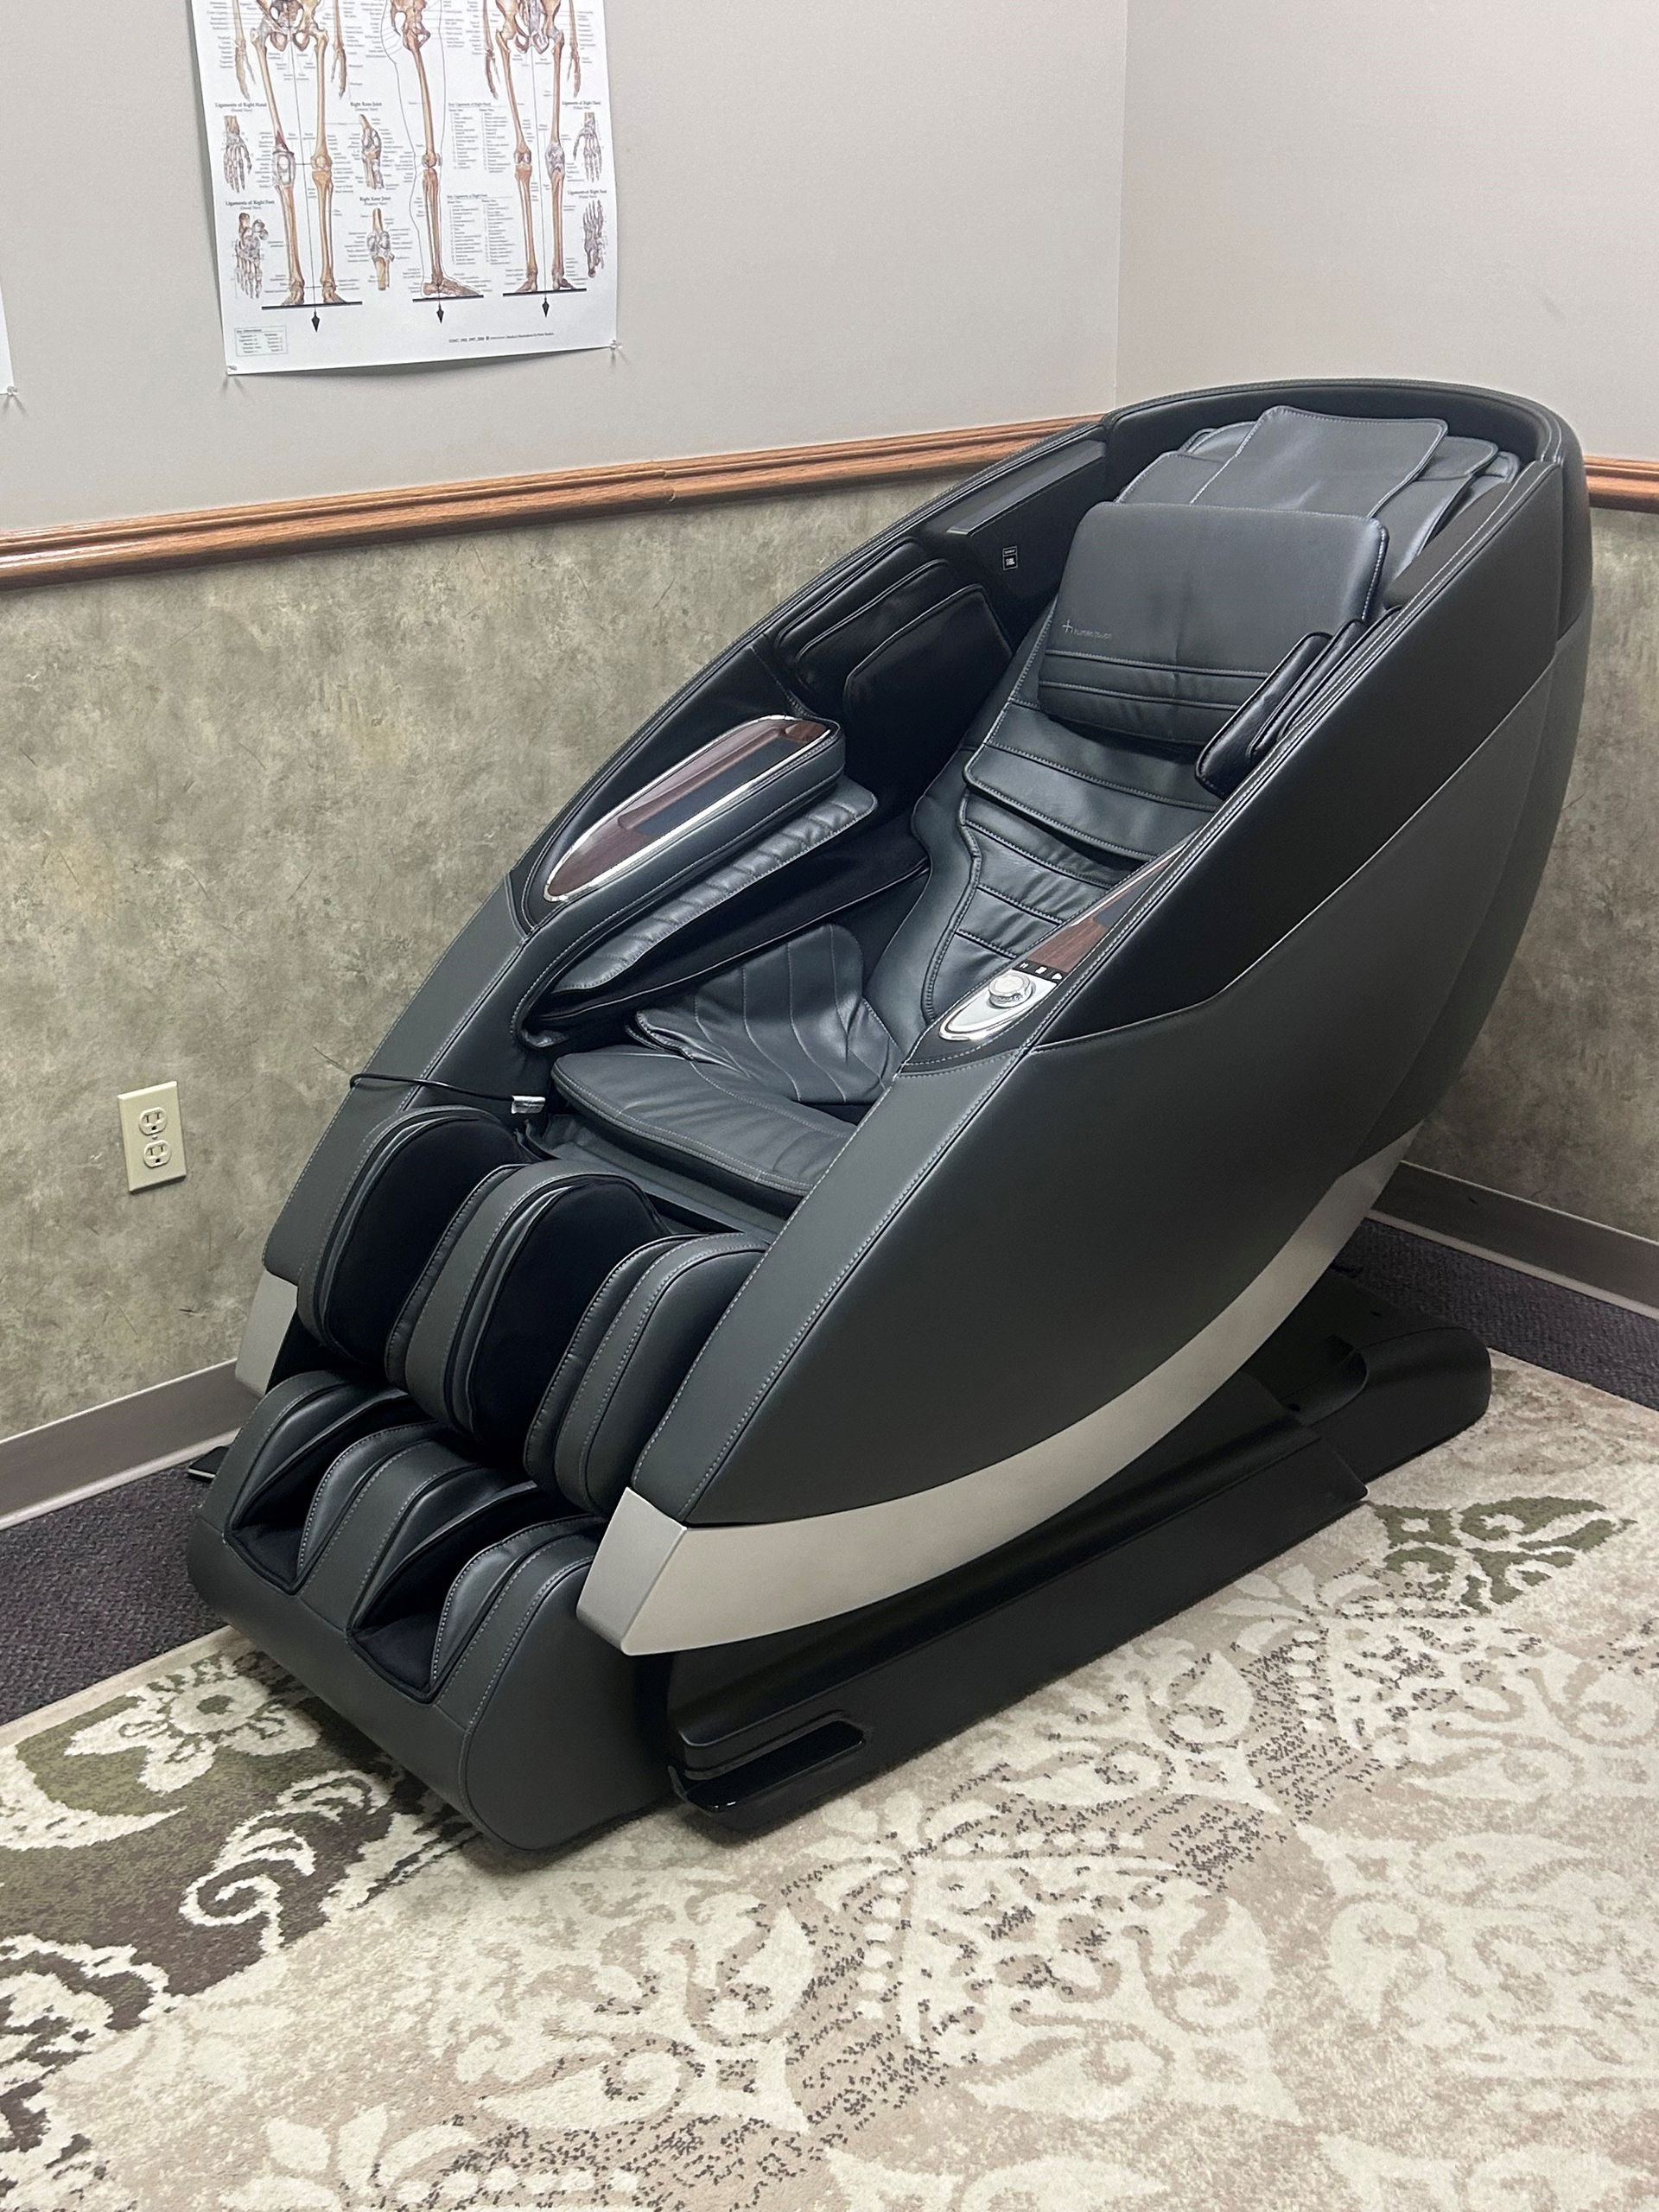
[
  {"x": 242, "y": 811},
  {"x": 1560, "y": 1100}
]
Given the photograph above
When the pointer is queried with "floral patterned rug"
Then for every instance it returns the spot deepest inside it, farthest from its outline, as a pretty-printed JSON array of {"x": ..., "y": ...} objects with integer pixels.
[{"x": 1340, "y": 1893}]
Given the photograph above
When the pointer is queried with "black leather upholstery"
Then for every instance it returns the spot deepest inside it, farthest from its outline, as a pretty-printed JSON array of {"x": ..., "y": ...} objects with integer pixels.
[
  {"x": 794, "y": 1018},
  {"x": 1458, "y": 470},
  {"x": 1030, "y": 824},
  {"x": 410, "y": 1178},
  {"x": 726, "y": 1128},
  {"x": 839, "y": 810},
  {"x": 1290, "y": 458},
  {"x": 1177, "y": 608},
  {"x": 588, "y": 1334},
  {"x": 667, "y": 1316},
  {"x": 435, "y": 1607},
  {"x": 1170, "y": 617},
  {"x": 499, "y": 1308}
]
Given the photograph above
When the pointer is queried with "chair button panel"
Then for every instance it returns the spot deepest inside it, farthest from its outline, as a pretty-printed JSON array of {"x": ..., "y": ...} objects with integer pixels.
[{"x": 995, "y": 1005}]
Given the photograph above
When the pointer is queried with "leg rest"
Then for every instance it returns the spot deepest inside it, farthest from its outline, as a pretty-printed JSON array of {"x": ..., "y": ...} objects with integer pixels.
[
  {"x": 518, "y": 1268},
  {"x": 629, "y": 1374},
  {"x": 415, "y": 1172}
]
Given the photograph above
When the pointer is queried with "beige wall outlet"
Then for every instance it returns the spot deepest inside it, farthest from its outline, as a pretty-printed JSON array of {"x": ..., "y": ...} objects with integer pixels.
[{"x": 152, "y": 1135}]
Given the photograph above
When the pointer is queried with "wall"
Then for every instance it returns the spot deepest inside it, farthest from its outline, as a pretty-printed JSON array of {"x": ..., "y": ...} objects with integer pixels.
[
  {"x": 1560, "y": 1100},
  {"x": 1431, "y": 189},
  {"x": 1461, "y": 191},
  {"x": 838, "y": 218},
  {"x": 242, "y": 811}
]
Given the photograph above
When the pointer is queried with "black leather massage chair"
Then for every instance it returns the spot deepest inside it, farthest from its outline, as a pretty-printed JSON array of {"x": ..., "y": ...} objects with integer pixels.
[{"x": 845, "y": 1234}]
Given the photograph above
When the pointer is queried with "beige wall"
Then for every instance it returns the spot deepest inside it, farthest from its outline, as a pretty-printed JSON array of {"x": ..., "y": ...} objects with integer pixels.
[
  {"x": 1420, "y": 189},
  {"x": 837, "y": 217}
]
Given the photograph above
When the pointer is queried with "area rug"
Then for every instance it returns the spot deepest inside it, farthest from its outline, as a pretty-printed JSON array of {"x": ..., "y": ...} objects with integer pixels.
[{"x": 1340, "y": 1893}]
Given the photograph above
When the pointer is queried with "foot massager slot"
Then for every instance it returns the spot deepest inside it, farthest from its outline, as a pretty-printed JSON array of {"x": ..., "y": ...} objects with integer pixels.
[
  {"x": 437, "y": 1612},
  {"x": 417, "y": 1594},
  {"x": 298, "y": 1434}
]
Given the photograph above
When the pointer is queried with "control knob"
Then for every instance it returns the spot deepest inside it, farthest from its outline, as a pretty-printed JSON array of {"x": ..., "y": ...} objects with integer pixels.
[{"x": 1011, "y": 988}]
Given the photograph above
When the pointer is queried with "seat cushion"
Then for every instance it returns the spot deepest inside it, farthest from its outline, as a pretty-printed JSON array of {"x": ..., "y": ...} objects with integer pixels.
[
  {"x": 723, "y": 1127},
  {"x": 793, "y": 1020}
]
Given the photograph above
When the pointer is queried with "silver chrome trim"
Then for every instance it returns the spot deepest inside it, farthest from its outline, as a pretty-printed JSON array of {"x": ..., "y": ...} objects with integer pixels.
[
  {"x": 976, "y": 1017},
  {"x": 658, "y": 1586},
  {"x": 669, "y": 837},
  {"x": 263, "y": 1332}
]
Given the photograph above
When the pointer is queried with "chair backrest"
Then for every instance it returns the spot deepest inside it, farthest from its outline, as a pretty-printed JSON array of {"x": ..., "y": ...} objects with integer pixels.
[
  {"x": 1179, "y": 602},
  {"x": 1166, "y": 621}
]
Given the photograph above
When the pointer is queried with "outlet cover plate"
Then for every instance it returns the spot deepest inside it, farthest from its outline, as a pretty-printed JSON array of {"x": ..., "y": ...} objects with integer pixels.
[{"x": 152, "y": 1135}]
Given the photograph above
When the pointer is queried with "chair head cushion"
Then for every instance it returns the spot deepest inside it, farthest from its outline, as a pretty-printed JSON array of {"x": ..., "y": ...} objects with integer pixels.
[{"x": 1168, "y": 618}]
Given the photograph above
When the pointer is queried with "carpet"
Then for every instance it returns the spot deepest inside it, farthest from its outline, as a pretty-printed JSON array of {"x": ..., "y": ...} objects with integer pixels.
[{"x": 1339, "y": 1893}]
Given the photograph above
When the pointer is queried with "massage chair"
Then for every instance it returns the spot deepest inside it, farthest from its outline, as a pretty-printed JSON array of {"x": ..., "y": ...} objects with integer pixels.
[{"x": 845, "y": 1234}]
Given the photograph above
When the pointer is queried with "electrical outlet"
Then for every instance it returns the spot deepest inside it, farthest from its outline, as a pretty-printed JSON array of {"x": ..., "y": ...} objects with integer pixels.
[{"x": 152, "y": 1135}]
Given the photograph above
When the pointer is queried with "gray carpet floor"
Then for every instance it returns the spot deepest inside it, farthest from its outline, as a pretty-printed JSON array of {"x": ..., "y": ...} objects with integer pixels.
[
  {"x": 96, "y": 1588},
  {"x": 99, "y": 1586},
  {"x": 1564, "y": 1331}
]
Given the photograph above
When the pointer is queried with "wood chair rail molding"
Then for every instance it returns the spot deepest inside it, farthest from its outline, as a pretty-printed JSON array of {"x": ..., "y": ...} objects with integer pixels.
[{"x": 207, "y": 535}]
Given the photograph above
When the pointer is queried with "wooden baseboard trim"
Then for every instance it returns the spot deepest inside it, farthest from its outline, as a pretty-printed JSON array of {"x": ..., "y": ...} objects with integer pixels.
[
  {"x": 48, "y": 1467},
  {"x": 209, "y": 535},
  {"x": 1610, "y": 1264}
]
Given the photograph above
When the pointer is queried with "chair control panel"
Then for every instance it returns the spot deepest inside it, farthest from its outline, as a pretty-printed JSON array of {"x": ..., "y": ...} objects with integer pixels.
[
  {"x": 995, "y": 1004},
  {"x": 1008, "y": 997},
  {"x": 1023, "y": 986}
]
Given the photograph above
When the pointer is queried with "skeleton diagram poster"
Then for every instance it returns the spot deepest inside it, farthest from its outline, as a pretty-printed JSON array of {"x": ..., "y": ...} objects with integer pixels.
[{"x": 408, "y": 180}]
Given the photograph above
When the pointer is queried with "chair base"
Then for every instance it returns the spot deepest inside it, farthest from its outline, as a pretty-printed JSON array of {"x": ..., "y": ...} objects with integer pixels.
[
  {"x": 540, "y": 1732},
  {"x": 1346, "y": 1389}
]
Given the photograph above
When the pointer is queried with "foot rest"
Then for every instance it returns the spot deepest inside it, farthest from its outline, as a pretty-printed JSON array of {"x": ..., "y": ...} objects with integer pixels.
[
  {"x": 434, "y": 1607},
  {"x": 266, "y": 1489}
]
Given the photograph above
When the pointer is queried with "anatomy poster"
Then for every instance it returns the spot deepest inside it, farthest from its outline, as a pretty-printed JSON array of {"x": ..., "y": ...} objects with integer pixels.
[{"x": 408, "y": 180}]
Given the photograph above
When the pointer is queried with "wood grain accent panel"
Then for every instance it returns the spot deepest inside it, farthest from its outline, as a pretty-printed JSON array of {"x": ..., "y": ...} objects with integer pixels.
[
  {"x": 204, "y": 536},
  {"x": 209, "y": 535}
]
